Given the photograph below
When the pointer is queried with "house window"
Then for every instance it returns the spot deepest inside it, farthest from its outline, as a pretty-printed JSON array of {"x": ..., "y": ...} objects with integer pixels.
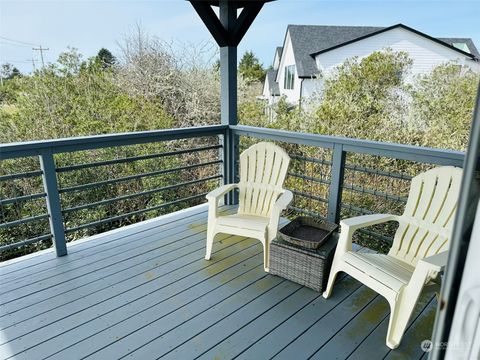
[
  {"x": 462, "y": 46},
  {"x": 289, "y": 77}
]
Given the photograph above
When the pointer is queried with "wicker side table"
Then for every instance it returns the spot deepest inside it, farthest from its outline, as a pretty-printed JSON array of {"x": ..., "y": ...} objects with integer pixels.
[{"x": 303, "y": 266}]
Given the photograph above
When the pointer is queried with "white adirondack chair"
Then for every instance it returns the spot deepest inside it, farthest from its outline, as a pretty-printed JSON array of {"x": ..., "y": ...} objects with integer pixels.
[
  {"x": 419, "y": 251},
  {"x": 263, "y": 168}
]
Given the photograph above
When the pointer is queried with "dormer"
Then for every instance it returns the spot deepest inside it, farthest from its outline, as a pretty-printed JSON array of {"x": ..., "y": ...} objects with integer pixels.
[{"x": 278, "y": 56}]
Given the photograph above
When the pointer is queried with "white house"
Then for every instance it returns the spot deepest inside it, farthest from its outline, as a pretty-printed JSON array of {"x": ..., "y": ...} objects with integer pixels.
[{"x": 310, "y": 50}]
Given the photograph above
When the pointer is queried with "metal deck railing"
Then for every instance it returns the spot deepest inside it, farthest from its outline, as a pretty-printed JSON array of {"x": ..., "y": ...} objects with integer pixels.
[
  {"x": 334, "y": 177},
  {"x": 65, "y": 189}
]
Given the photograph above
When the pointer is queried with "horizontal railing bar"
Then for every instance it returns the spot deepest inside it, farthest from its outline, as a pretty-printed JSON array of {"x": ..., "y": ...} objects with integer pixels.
[
  {"x": 309, "y": 178},
  {"x": 22, "y": 198},
  {"x": 21, "y": 175},
  {"x": 134, "y": 158},
  {"x": 395, "y": 151},
  {"x": 378, "y": 172},
  {"x": 123, "y": 216},
  {"x": 25, "y": 242},
  {"x": 308, "y": 196},
  {"x": 143, "y": 193},
  {"x": 290, "y": 137},
  {"x": 30, "y": 148},
  {"x": 134, "y": 177},
  {"x": 381, "y": 194},
  {"x": 357, "y": 209},
  {"x": 310, "y": 159},
  {"x": 307, "y": 212},
  {"x": 23, "y": 221}
]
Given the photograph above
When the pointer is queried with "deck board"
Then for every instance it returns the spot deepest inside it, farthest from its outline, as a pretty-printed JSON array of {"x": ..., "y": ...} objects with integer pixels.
[
  {"x": 145, "y": 292},
  {"x": 100, "y": 245}
]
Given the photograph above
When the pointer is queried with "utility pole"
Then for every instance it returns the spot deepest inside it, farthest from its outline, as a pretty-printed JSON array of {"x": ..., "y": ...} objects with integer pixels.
[
  {"x": 41, "y": 49},
  {"x": 33, "y": 63}
]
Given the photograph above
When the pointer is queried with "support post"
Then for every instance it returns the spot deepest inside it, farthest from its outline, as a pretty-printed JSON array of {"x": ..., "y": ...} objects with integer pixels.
[
  {"x": 49, "y": 177},
  {"x": 228, "y": 101},
  {"x": 336, "y": 183},
  {"x": 228, "y": 30}
]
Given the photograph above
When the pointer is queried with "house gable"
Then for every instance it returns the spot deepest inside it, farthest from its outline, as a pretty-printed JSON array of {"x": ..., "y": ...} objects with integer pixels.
[
  {"x": 308, "y": 39},
  {"x": 426, "y": 54},
  {"x": 288, "y": 59},
  {"x": 398, "y": 26},
  {"x": 277, "y": 57}
]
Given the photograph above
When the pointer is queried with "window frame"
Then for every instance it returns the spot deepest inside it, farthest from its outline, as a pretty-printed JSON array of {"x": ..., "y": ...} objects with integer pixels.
[
  {"x": 461, "y": 46},
  {"x": 289, "y": 77}
]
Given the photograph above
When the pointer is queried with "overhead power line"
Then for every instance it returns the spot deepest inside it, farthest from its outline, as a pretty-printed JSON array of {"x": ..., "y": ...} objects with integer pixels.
[
  {"x": 13, "y": 44},
  {"x": 18, "y": 41},
  {"x": 15, "y": 61}
]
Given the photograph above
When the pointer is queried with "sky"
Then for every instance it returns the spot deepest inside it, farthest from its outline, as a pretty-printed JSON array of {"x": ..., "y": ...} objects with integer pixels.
[{"x": 90, "y": 25}]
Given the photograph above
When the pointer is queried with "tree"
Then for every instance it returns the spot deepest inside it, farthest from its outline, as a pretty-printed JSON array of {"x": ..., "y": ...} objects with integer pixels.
[
  {"x": 106, "y": 58},
  {"x": 75, "y": 97},
  {"x": 8, "y": 71},
  {"x": 216, "y": 65},
  {"x": 250, "y": 68},
  {"x": 364, "y": 97},
  {"x": 181, "y": 77},
  {"x": 442, "y": 105},
  {"x": 9, "y": 87}
]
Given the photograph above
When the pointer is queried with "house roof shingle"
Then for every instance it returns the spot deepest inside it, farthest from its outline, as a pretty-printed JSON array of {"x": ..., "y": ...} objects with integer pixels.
[
  {"x": 279, "y": 51},
  {"x": 311, "y": 39},
  {"x": 273, "y": 86},
  {"x": 308, "y": 39},
  {"x": 469, "y": 42}
]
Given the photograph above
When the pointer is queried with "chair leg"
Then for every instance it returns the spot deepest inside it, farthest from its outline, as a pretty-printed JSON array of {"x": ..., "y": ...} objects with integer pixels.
[
  {"x": 210, "y": 237},
  {"x": 400, "y": 312},
  {"x": 331, "y": 280},
  {"x": 266, "y": 257}
]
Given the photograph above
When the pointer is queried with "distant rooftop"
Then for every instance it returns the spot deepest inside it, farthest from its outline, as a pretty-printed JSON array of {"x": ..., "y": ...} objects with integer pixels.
[{"x": 312, "y": 39}]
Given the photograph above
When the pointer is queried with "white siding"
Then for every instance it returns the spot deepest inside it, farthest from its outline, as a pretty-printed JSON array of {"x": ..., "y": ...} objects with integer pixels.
[
  {"x": 266, "y": 88},
  {"x": 276, "y": 60},
  {"x": 426, "y": 54},
  {"x": 287, "y": 59},
  {"x": 311, "y": 87},
  {"x": 266, "y": 95}
]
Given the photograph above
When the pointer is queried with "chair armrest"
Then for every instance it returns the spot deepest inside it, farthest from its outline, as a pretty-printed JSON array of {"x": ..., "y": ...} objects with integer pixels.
[
  {"x": 426, "y": 270},
  {"x": 283, "y": 201},
  {"x": 349, "y": 226},
  {"x": 213, "y": 197},
  {"x": 359, "y": 222},
  {"x": 436, "y": 262},
  {"x": 222, "y": 190},
  {"x": 281, "y": 204}
]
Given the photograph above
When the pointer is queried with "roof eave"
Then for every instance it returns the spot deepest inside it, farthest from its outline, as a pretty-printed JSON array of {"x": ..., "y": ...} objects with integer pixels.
[{"x": 388, "y": 29}]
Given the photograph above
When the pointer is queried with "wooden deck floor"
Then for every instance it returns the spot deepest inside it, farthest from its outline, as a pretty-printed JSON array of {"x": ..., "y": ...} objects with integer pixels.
[{"x": 145, "y": 292}]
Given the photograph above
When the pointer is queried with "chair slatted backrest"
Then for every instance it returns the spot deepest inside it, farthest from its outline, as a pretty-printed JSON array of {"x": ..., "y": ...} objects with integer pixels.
[
  {"x": 263, "y": 168},
  {"x": 429, "y": 215}
]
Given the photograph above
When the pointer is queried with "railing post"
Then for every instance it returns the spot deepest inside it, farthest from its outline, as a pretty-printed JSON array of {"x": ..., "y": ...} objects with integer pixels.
[
  {"x": 228, "y": 98},
  {"x": 336, "y": 182},
  {"x": 230, "y": 159},
  {"x": 50, "y": 184}
]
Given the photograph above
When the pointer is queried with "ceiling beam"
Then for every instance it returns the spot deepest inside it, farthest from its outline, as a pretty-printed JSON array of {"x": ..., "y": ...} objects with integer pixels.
[
  {"x": 238, "y": 27},
  {"x": 244, "y": 21},
  {"x": 211, "y": 21}
]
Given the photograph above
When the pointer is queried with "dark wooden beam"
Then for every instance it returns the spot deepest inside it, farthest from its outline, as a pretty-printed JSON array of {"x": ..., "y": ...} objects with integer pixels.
[
  {"x": 245, "y": 19},
  {"x": 212, "y": 22},
  {"x": 232, "y": 35}
]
